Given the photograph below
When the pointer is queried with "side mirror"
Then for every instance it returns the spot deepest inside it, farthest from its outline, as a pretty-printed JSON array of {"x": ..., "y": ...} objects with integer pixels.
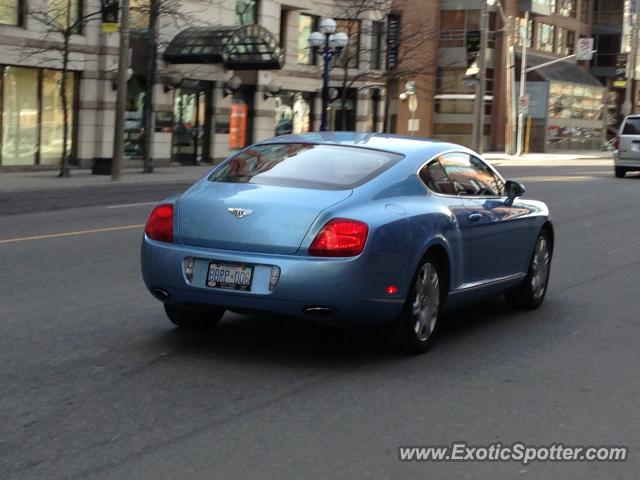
[{"x": 513, "y": 190}]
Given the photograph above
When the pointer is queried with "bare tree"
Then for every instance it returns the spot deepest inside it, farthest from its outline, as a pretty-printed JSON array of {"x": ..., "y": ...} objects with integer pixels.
[
  {"x": 355, "y": 19},
  {"x": 154, "y": 12},
  {"x": 61, "y": 20}
]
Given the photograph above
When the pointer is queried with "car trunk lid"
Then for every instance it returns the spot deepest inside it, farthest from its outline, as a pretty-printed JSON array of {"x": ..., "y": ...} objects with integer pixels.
[{"x": 250, "y": 217}]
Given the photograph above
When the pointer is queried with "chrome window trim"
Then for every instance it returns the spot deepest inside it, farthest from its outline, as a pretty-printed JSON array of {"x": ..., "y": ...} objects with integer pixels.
[{"x": 471, "y": 153}]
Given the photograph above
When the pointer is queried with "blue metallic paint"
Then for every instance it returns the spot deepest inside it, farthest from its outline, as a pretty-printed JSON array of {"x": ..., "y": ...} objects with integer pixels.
[{"x": 405, "y": 221}]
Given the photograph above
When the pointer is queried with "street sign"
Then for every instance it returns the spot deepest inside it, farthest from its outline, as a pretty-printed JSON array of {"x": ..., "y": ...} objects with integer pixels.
[
  {"x": 110, "y": 10},
  {"x": 584, "y": 52},
  {"x": 410, "y": 87},
  {"x": 413, "y": 125},
  {"x": 413, "y": 103},
  {"x": 525, "y": 102}
]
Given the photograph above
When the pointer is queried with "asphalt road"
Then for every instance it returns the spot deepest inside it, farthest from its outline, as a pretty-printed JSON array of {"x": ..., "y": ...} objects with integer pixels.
[{"x": 95, "y": 383}]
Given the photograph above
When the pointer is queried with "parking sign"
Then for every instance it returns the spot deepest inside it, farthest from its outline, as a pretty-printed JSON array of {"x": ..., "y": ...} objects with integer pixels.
[{"x": 585, "y": 49}]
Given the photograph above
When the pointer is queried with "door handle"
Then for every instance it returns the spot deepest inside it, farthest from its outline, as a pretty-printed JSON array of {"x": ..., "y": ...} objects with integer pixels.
[{"x": 475, "y": 217}]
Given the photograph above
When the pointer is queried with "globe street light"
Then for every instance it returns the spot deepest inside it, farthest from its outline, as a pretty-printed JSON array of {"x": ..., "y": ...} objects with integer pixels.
[{"x": 328, "y": 43}]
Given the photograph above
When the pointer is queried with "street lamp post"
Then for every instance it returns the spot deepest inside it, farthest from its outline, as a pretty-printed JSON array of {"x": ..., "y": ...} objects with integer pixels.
[{"x": 328, "y": 43}]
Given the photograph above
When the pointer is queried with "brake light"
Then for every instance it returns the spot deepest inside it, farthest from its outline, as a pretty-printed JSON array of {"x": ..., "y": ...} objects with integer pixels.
[
  {"x": 616, "y": 143},
  {"x": 160, "y": 223},
  {"x": 340, "y": 237}
]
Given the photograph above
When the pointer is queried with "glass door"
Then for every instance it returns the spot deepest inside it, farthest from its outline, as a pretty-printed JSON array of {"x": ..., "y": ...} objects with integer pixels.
[{"x": 189, "y": 125}]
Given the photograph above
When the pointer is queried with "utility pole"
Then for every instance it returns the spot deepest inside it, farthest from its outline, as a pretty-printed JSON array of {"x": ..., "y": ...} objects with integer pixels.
[
  {"x": 481, "y": 87},
  {"x": 632, "y": 56},
  {"x": 121, "y": 100},
  {"x": 523, "y": 82}
]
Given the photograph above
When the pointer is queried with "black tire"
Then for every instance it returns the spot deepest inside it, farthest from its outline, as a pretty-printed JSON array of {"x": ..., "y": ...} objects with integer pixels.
[
  {"x": 620, "y": 172},
  {"x": 194, "y": 318},
  {"x": 414, "y": 330},
  {"x": 531, "y": 294}
]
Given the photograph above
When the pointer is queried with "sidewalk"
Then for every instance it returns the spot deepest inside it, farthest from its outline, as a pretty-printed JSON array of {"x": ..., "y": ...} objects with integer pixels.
[
  {"x": 45, "y": 180},
  {"x": 555, "y": 158}
]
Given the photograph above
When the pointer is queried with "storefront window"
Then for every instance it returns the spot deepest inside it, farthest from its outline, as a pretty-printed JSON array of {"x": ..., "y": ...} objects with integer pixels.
[
  {"x": 52, "y": 126},
  {"x": 581, "y": 102},
  {"x": 63, "y": 14},
  {"x": 307, "y": 24},
  {"x": 293, "y": 112},
  {"x": 9, "y": 12},
  {"x": 32, "y": 118},
  {"x": 342, "y": 112},
  {"x": 189, "y": 116},
  {"x": 19, "y": 116},
  {"x": 134, "y": 118}
]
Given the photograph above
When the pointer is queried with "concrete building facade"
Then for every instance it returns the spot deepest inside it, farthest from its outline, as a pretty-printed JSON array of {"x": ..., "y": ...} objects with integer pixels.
[
  {"x": 566, "y": 99},
  {"x": 206, "y": 106}
]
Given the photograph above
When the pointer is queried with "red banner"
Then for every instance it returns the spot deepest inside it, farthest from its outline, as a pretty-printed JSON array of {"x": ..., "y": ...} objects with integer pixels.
[{"x": 238, "y": 126}]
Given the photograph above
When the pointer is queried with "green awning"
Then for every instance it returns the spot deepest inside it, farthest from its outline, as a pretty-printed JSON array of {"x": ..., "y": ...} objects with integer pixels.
[{"x": 243, "y": 47}]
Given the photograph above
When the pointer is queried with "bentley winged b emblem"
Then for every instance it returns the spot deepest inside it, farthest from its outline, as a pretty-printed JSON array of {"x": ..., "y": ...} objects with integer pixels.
[{"x": 240, "y": 213}]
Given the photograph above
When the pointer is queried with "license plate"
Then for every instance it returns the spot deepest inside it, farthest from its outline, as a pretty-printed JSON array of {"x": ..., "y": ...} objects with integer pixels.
[
  {"x": 635, "y": 148},
  {"x": 230, "y": 276}
]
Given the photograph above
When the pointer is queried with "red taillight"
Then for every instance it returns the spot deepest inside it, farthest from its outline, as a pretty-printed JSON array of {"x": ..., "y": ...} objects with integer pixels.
[
  {"x": 340, "y": 237},
  {"x": 616, "y": 143},
  {"x": 160, "y": 224}
]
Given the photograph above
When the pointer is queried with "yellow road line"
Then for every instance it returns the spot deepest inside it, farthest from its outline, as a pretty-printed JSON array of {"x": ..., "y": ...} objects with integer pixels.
[{"x": 71, "y": 234}]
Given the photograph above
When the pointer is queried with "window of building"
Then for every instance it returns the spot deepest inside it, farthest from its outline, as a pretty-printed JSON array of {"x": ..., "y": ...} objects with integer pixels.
[
  {"x": 33, "y": 117},
  {"x": 545, "y": 37},
  {"x": 567, "y": 8},
  {"x": 451, "y": 80},
  {"x": 10, "y": 12},
  {"x": 284, "y": 22},
  {"x": 64, "y": 14},
  {"x": 350, "y": 56},
  {"x": 246, "y": 12},
  {"x": 460, "y": 29},
  {"x": 307, "y": 24},
  {"x": 139, "y": 15},
  {"x": 543, "y": 7},
  {"x": 564, "y": 41},
  {"x": 521, "y": 32},
  {"x": 377, "y": 31}
]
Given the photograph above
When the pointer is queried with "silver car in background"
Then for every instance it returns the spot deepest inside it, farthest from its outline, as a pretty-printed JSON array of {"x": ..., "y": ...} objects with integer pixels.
[{"x": 627, "y": 156}]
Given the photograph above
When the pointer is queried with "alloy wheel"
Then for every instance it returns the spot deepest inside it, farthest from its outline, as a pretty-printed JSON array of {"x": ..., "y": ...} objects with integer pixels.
[
  {"x": 540, "y": 268},
  {"x": 426, "y": 304}
]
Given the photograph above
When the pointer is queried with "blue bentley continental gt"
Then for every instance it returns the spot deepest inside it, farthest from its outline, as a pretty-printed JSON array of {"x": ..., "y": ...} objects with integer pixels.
[{"x": 355, "y": 228}]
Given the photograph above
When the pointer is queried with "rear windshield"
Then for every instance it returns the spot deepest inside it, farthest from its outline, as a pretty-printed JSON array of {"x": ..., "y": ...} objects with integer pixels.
[
  {"x": 332, "y": 167},
  {"x": 632, "y": 126}
]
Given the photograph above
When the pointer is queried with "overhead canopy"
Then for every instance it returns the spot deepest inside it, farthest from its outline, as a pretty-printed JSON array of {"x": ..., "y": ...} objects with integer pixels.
[
  {"x": 243, "y": 47},
  {"x": 565, "y": 71}
]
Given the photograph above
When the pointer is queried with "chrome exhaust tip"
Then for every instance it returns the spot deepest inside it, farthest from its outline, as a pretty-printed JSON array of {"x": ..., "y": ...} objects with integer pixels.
[
  {"x": 320, "y": 311},
  {"x": 161, "y": 294}
]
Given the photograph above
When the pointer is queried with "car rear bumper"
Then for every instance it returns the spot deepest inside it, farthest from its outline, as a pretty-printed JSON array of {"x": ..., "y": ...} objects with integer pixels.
[
  {"x": 344, "y": 290},
  {"x": 627, "y": 160}
]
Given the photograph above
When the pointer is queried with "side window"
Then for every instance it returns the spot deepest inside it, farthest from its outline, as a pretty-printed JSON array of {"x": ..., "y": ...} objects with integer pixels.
[
  {"x": 470, "y": 176},
  {"x": 632, "y": 126},
  {"x": 434, "y": 176}
]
